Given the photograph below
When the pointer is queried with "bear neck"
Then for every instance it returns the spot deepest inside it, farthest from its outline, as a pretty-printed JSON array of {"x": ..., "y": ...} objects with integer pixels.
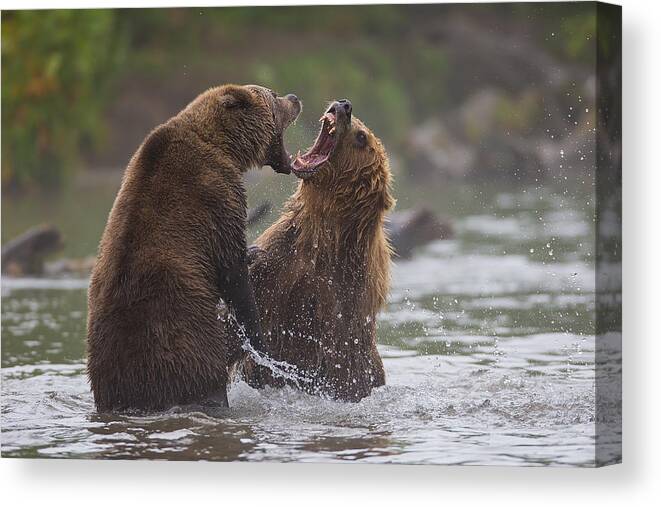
[
  {"x": 343, "y": 227},
  {"x": 242, "y": 149},
  {"x": 347, "y": 243}
]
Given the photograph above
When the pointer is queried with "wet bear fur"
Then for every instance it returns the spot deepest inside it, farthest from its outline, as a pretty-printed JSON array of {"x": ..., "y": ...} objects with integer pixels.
[{"x": 173, "y": 246}]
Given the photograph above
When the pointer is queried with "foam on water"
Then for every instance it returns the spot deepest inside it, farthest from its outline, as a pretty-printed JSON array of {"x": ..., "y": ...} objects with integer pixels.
[{"x": 433, "y": 410}]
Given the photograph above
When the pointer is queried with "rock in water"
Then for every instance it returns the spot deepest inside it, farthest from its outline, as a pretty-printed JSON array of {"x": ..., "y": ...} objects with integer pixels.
[
  {"x": 25, "y": 254},
  {"x": 413, "y": 228}
]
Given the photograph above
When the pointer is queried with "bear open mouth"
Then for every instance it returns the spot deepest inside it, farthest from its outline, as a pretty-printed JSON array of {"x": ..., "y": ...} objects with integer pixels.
[{"x": 304, "y": 166}]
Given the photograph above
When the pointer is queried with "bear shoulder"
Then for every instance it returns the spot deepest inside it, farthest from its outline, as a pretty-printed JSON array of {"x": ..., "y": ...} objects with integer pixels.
[{"x": 156, "y": 145}]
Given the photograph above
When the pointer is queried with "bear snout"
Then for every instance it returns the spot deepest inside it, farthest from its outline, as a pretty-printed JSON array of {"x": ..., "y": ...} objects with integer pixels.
[
  {"x": 291, "y": 106},
  {"x": 293, "y": 98},
  {"x": 342, "y": 109},
  {"x": 345, "y": 104}
]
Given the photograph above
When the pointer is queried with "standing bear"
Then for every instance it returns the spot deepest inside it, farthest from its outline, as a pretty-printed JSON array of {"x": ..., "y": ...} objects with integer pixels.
[
  {"x": 321, "y": 273},
  {"x": 174, "y": 245}
]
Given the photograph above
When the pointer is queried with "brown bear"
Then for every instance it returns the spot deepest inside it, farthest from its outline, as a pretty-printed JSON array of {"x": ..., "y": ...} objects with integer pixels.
[
  {"x": 321, "y": 273},
  {"x": 174, "y": 245}
]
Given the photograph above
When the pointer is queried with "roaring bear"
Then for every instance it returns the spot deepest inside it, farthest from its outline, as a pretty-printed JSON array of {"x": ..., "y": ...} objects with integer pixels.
[
  {"x": 321, "y": 273},
  {"x": 174, "y": 245}
]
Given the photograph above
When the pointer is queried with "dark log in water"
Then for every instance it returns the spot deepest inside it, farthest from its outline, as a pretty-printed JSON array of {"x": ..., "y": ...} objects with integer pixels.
[
  {"x": 411, "y": 229},
  {"x": 25, "y": 254},
  {"x": 258, "y": 212}
]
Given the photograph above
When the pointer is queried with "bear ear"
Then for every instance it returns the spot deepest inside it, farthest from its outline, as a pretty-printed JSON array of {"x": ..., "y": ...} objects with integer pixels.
[{"x": 234, "y": 97}]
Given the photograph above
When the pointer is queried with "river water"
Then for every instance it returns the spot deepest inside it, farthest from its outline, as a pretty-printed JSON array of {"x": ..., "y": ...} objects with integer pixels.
[{"x": 488, "y": 343}]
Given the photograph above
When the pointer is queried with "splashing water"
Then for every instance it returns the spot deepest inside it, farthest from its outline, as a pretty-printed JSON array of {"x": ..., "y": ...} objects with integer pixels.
[{"x": 280, "y": 369}]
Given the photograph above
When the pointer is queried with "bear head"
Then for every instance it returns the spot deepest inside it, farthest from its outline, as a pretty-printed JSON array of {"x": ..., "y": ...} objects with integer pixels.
[
  {"x": 246, "y": 123},
  {"x": 347, "y": 163}
]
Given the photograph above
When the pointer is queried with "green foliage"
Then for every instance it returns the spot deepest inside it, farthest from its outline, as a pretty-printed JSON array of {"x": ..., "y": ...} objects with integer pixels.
[
  {"x": 332, "y": 20},
  {"x": 568, "y": 29},
  {"x": 56, "y": 67},
  {"x": 581, "y": 33},
  {"x": 517, "y": 114},
  {"x": 363, "y": 75},
  {"x": 59, "y": 66}
]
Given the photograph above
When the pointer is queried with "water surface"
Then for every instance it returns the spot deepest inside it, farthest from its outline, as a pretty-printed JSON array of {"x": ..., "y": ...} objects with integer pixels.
[{"x": 488, "y": 344}]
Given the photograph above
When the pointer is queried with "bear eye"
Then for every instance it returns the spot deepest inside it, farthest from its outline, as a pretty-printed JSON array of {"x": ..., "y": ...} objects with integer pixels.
[{"x": 361, "y": 138}]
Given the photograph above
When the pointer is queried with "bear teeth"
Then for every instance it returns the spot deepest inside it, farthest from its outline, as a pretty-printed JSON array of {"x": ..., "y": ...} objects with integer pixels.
[{"x": 328, "y": 116}]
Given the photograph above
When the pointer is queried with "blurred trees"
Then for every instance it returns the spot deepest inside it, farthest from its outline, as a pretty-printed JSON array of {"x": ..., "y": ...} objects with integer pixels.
[
  {"x": 60, "y": 68},
  {"x": 56, "y": 70}
]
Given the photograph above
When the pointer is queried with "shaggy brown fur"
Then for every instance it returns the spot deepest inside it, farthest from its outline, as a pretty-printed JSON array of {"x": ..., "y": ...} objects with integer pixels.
[
  {"x": 323, "y": 269},
  {"x": 173, "y": 246}
]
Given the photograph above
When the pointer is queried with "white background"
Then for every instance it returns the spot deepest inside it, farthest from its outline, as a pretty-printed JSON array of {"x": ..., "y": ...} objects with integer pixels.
[{"x": 636, "y": 482}]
